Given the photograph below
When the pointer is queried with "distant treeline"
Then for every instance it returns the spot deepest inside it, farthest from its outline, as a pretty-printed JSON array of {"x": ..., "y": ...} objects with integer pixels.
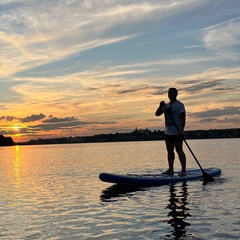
[
  {"x": 140, "y": 135},
  {"x": 6, "y": 141}
]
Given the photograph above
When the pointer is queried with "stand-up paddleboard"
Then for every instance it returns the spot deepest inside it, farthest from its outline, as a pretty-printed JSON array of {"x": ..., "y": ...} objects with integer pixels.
[{"x": 155, "y": 179}]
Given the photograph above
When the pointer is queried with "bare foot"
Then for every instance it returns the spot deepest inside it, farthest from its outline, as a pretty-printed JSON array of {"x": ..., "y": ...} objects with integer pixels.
[
  {"x": 168, "y": 172},
  {"x": 182, "y": 174}
]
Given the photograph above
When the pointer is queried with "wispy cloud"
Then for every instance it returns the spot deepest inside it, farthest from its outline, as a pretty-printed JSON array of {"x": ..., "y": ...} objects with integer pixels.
[
  {"x": 35, "y": 34},
  {"x": 88, "y": 66},
  {"x": 32, "y": 118},
  {"x": 226, "y": 111},
  {"x": 221, "y": 24},
  {"x": 224, "y": 38}
]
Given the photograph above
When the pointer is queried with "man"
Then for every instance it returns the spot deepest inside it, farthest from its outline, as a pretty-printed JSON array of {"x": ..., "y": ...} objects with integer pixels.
[{"x": 175, "y": 118}]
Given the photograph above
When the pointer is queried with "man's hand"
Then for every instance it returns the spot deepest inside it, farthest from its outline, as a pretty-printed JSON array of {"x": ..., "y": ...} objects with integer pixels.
[
  {"x": 161, "y": 105},
  {"x": 160, "y": 111}
]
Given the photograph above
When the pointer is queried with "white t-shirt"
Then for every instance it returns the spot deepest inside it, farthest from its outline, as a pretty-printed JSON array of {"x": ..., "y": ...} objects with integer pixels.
[{"x": 175, "y": 110}]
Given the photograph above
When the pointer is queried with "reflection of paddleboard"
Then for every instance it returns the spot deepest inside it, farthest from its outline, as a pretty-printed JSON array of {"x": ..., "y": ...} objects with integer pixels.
[{"x": 155, "y": 179}]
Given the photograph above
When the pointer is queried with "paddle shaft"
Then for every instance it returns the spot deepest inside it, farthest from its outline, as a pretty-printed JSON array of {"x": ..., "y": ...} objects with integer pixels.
[{"x": 193, "y": 154}]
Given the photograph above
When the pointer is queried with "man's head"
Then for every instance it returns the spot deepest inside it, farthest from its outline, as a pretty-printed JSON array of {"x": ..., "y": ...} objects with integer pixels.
[{"x": 172, "y": 93}]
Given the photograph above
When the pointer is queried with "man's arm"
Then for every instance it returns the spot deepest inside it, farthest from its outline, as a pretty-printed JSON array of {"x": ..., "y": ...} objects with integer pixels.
[{"x": 160, "y": 111}]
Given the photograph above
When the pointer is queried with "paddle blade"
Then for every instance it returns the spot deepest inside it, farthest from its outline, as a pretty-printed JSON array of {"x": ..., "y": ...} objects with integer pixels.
[{"x": 207, "y": 178}]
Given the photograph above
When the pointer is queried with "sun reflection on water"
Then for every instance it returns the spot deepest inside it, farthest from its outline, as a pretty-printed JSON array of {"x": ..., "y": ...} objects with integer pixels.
[{"x": 17, "y": 168}]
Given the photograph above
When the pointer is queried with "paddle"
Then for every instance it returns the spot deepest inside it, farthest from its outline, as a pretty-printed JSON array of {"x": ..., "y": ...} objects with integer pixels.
[{"x": 206, "y": 177}]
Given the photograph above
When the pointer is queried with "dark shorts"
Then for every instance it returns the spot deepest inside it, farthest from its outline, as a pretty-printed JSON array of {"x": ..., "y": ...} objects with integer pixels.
[{"x": 174, "y": 138}]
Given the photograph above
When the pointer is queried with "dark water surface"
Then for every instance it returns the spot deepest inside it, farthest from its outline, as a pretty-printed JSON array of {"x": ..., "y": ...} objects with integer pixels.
[{"x": 53, "y": 192}]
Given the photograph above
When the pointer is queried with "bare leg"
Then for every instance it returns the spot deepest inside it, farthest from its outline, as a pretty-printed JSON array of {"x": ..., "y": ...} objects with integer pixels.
[
  {"x": 181, "y": 155},
  {"x": 170, "y": 156}
]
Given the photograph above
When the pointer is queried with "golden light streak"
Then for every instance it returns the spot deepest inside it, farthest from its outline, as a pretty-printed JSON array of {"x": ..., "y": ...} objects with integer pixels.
[{"x": 17, "y": 167}]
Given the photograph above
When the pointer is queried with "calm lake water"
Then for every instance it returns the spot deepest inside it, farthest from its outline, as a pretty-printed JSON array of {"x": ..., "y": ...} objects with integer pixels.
[{"x": 53, "y": 192}]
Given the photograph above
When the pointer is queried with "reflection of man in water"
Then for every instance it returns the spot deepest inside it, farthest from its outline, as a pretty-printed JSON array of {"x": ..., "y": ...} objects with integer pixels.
[{"x": 177, "y": 206}]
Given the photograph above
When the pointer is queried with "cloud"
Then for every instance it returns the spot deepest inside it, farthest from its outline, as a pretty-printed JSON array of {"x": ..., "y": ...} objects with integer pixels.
[
  {"x": 113, "y": 60},
  {"x": 201, "y": 85},
  {"x": 51, "y": 124},
  {"x": 136, "y": 90},
  {"x": 30, "y": 35},
  {"x": 32, "y": 118},
  {"x": 7, "y": 118},
  {"x": 67, "y": 123},
  {"x": 229, "y": 120},
  {"x": 213, "y": 113},
  {"x": 224, "y": 38},
  {"x": 60, "y": 120}
]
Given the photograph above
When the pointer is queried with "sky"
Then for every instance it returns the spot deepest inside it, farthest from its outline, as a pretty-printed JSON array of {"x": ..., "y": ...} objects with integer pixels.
[{"x": 87, "y": 67}]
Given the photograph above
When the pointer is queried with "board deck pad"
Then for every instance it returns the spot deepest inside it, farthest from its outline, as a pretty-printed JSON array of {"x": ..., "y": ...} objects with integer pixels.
[{"x": 155, "y": 179}]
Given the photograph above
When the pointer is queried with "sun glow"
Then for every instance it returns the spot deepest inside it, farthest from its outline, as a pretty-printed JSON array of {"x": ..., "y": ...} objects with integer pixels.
[{"x": 16, "y": 128}]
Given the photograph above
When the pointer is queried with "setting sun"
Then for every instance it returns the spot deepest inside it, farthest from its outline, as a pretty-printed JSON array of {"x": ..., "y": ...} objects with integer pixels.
[{"x": 16, "y": 128}]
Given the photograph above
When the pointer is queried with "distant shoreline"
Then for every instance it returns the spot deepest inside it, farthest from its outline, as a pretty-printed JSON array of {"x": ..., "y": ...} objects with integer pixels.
[{"x": 137, "y": 135}]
